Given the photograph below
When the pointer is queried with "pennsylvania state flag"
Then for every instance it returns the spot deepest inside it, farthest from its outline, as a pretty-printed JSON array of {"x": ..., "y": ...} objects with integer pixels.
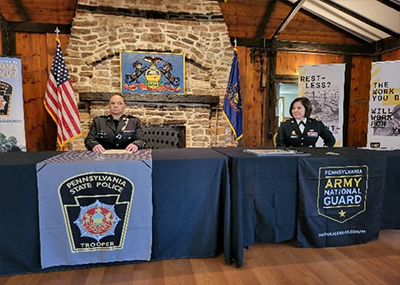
[{"x": 233, "y": 100}]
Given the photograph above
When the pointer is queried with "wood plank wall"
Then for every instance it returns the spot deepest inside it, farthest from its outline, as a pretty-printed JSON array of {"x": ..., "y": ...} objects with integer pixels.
[
  {"x": 359, "y": 101},
  {"x": 252, "y": 99},
  {"x": 36, "y": 52},
  {"x": 287, "y": 65}
]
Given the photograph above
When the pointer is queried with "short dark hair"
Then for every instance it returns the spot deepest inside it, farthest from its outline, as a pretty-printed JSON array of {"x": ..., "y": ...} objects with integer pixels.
[
  {"x": 305, "y": 102},
  {"x": 123, "y": 98}
]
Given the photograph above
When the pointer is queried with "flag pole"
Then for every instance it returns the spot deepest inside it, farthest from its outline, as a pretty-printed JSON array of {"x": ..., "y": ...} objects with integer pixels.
[
  {"x": 232, "y": 136},
  {"x": 216, "y": 124},
  {"x": 57, "y": 31},
  {"x": 59, "y": 93},
  {"x": 58, "y": 147}
]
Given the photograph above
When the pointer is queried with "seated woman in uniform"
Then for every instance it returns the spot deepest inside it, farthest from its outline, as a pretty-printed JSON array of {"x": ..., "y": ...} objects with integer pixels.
[
  {"x": 115, "y": 131},
  {"x": 302, "y": 130}
]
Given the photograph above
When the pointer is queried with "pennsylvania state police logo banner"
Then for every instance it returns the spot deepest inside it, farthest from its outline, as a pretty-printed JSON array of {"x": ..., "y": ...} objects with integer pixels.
[
  {"x": 340, "y": 200},
  {"x": 95, "y": 208},
  {"x": 93, "y": 205}
]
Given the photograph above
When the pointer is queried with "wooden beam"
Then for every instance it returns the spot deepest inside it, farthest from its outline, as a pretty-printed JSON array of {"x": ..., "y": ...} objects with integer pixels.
[
  {"x": 21, "y": 9},
  {"x": 31, "y": 27},
  {"x": 391, "y": 4},
  {"x": 367, "y": 49},
  {"x": 3, "y": 23},
  {"x": 387, "y": 45},
  {"x": 360, "y": 18},
  {"x": 7, "y": 38},
  {"x": 265, "y": 19},
  {"x": 152, "y": 98},
  {"x": 274, "y": 45},
  {"x": 346, "y": 103},
  {"x": 292, "y": 13}
]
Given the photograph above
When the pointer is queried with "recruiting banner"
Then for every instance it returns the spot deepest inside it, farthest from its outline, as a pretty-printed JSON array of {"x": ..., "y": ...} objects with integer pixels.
[
  {"x": 95, "y": 208},
  {"x": 12, "y": 125},
  {"x": 384, "y": 105},
  {"x": 324, "y": 86},
  {"x": 340, "y": 203}
]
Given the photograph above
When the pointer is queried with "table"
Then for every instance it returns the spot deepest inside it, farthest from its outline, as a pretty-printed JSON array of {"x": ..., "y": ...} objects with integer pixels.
[
  {"x": 264, "y": 199},
  {"x": 188, "y": 189},
  {"x": 264, "y": 191},
  {"x": 200, "y": 204}
]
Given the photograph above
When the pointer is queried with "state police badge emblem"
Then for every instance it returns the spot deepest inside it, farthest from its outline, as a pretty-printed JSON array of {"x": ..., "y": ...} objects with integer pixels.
[{"x": 96, "y": 208}]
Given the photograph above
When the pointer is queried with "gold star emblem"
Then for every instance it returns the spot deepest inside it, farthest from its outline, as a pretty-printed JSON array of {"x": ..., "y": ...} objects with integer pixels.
[{"x": 342, "y": 213}]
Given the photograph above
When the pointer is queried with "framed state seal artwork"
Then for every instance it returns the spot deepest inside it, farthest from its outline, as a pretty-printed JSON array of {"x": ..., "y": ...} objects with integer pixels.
[{"x": 148, "y": 72}]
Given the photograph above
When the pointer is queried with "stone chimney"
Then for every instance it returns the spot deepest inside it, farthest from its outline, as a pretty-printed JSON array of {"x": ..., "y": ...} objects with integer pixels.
[{"x": 101, "y": 29}]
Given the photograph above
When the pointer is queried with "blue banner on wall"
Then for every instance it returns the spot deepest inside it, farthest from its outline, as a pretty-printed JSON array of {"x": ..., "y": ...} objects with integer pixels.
[{"x": 95, "y": 208}]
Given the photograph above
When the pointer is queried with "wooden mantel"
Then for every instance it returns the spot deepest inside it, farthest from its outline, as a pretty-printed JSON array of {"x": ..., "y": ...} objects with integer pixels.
[{"x": 151, "y": 98}]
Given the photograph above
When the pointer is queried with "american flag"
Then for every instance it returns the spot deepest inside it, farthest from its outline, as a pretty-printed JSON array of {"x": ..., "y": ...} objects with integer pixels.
[{"x": 60, "y": 100}]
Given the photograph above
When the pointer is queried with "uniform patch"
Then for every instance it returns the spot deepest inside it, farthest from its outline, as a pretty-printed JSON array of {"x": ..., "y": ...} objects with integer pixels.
[{"x": 312, "y": 134}]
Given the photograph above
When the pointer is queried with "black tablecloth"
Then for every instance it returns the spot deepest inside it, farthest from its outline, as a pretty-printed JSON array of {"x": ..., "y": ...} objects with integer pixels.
[
  {"x": 188, "y": 188},
  {"x": 198, "y": 209},
  {"x": 264, "y": 191},
  {"x": 264, "y": 196},
  {"x": 341, "y": 193}
]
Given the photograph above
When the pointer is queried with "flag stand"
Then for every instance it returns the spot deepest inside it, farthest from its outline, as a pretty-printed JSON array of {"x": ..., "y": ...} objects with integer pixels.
[{"x": 232, "y": 139}]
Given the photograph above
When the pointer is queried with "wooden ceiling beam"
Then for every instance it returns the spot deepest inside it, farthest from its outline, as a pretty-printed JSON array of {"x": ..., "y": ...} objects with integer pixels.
[
  {"x": 265, "y": 19},
  {"x": 292, "y": 13},
  {"x": 3, "y": 22},
  {"x": 31, "y": 27},
  {"x": 391, "y": 4},
  {"x": 21, "y": 9},
  {"x": 360, "y": 18},
  {"x": 274, "y": 45}
]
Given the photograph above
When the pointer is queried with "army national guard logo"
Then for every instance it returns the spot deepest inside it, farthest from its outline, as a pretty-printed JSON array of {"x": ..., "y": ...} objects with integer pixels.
[
  {"x": 96, "y": 208},
  {"x": 342, "y": 192}
]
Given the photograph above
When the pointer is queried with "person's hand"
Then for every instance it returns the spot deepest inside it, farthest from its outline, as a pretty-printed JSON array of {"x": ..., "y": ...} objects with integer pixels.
[
  {"x": 98, "y": 148},
  {"x": 132, "y": 148}
]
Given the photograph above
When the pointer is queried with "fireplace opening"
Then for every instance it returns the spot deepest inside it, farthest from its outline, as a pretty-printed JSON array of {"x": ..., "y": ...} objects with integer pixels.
[{"x": 164, "y": 136}]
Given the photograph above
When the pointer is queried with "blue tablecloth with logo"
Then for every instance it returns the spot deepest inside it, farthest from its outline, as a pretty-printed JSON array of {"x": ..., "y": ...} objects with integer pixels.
[
  {"x": 340, "y": 197},
  {"x": 197, "y": 210},
  {"x": 188, "y": 189},
  {"x": 275, "y": 198},
  {"x": 95, "y": 208}
]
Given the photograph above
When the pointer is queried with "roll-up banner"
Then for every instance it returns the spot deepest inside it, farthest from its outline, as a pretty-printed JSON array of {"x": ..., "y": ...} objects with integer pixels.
[{"x": 12, "y": 126}]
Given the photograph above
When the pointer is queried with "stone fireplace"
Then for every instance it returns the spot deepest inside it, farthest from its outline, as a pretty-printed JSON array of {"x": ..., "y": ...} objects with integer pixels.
[{"x": 103, "y": 28}]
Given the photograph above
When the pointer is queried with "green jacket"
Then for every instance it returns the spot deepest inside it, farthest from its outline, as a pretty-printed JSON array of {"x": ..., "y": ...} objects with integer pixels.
[{"x": 103, "y": 131}]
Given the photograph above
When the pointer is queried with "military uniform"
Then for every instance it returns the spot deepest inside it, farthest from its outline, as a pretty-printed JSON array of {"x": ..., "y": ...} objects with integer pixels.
[
  {"x": 290, "y": 135},
  {"x": 105, "y": 132}
]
